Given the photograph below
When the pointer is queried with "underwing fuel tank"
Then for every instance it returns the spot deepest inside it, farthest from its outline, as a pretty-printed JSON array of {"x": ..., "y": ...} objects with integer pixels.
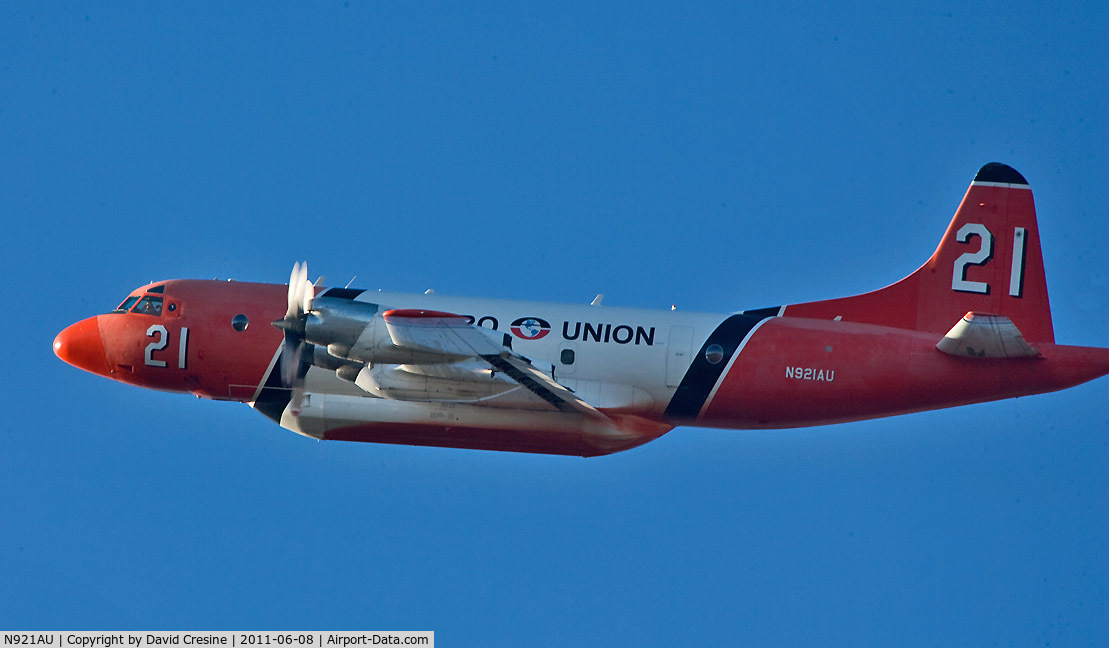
[{"x": 466, "y": 382}]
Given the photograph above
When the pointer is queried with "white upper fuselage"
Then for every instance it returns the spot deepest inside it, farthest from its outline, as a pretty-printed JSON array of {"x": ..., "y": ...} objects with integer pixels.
[{"x": 598, "y": 351}]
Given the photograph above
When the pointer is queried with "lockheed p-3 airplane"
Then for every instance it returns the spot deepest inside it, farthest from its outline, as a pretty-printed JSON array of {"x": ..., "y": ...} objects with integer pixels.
[{"x": 972, "y": 324}]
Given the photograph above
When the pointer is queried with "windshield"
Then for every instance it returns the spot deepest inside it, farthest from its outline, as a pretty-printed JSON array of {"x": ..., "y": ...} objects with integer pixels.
[
  {"x": 146, "y": 301},
  {"x": 150, "y": 305},
  {"x": 126, "y": 305}
]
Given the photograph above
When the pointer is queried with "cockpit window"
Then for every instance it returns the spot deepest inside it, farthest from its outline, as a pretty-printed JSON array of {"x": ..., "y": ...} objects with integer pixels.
[
  {"x": 157, "y": 289},
  {"x": 127, "y": 304},
  {"x": 149, "y": 305}
]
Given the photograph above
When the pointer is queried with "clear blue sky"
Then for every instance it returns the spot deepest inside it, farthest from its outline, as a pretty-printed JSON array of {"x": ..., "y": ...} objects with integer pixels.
[{"x": 717, "y": 158}]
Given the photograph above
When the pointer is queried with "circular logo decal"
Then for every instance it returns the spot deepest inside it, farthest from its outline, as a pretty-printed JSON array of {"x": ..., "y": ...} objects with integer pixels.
[{"x": 530, "y": 328}]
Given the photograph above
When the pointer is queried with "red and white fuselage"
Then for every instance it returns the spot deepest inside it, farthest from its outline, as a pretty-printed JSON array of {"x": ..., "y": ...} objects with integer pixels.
[{"x": 972, "y": 324}]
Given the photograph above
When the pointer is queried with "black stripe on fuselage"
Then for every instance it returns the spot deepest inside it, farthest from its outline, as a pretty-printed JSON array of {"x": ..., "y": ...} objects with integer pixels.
[
  {"x": 703, "y": 375},
  {"x": 763, "y": 313},
  {"x": 274, "y": 397},
  {"x": 342, "y": 293}
]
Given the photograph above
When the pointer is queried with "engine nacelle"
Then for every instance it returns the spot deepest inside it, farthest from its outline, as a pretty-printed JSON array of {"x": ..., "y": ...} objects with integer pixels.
[
  {"x": 320, "y": 357},
  {"x": 338, "y": 322},
  {"x": 353, "y": 330}
]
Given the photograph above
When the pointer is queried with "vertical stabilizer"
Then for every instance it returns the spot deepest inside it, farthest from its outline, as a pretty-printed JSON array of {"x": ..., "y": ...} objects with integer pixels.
[{"x": 988, "y": 261}]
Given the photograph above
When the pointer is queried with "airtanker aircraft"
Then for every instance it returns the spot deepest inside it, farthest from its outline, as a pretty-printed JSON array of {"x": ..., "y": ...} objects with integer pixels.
[{"x": 973, "y": 324}]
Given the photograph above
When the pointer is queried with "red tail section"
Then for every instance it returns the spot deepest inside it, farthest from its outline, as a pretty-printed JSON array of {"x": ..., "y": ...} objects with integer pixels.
[{"x": 988, "y": 261}]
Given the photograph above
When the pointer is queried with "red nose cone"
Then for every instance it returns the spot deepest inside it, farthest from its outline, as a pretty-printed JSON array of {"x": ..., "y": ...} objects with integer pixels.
[{"x": 80, "y": 346}]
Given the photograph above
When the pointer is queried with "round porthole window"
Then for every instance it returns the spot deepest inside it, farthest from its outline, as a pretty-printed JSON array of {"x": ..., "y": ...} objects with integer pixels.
[
  {"x": 714, "y": 353},
  {"x": 239, "y": 322}
]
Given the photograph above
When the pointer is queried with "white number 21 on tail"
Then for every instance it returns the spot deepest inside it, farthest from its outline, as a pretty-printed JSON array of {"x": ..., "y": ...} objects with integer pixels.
[{"x": 982, "y": 256}]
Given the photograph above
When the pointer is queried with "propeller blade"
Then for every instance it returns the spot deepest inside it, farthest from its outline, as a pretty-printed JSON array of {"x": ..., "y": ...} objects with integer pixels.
[
  {"x": 297, "y": 401},
  {"x": 294, "y": 287},
  {"x": 290, "y": 358},
  {"x": 301, "y": 293},
  {"x": 308, "y": 292}
]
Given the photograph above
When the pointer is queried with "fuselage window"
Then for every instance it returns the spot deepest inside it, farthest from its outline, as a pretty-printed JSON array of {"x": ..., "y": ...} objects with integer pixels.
[
  {"x": 127, "y": 304},
  {"x": 149, "y": 305},
  {"x": 567, "y": 356}
]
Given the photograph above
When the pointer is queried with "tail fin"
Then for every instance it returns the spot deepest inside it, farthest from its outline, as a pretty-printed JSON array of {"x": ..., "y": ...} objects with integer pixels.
[{"x": 988, "y": 261}]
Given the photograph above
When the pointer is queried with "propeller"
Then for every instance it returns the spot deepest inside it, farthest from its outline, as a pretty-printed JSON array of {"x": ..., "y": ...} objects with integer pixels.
[{"x": 301, "y": 292}]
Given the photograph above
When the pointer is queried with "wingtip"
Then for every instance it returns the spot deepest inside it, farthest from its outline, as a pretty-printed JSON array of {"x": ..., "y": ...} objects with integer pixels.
[{"x": 1000, "y": 173}]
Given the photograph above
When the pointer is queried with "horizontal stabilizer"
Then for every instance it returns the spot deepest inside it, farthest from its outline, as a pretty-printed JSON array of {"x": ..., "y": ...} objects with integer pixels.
[{"x": 980, "y": 335}]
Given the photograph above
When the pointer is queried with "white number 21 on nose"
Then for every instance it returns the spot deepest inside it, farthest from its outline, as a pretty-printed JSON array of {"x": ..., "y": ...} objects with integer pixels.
[{"x": 162, "y": 342}]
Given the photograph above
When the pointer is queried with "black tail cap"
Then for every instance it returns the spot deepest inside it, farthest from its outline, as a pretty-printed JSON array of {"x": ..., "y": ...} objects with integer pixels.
[{"x": 997, "y": 172}]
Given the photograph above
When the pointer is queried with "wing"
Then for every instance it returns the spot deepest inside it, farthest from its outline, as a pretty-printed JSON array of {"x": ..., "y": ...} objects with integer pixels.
[{"x": 453, "y": 337}]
